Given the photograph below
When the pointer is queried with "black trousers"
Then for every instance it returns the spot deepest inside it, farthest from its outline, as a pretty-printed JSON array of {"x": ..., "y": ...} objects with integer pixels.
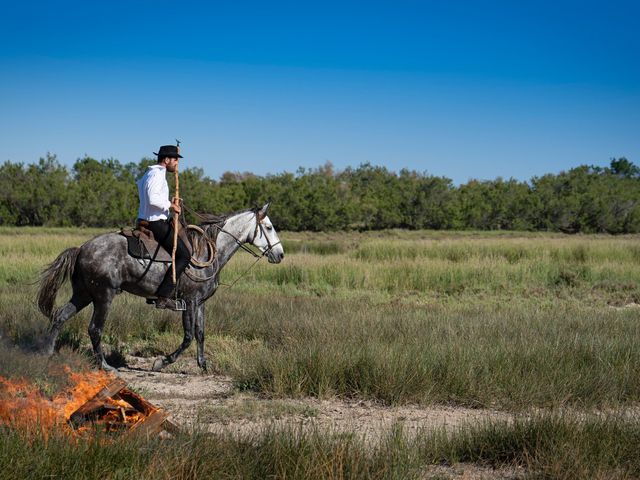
[{"x": 163, "y": 232}]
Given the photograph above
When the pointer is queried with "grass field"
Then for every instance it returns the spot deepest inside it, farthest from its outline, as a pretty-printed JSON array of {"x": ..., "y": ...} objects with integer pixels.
[{"x": 521, "y": 322}]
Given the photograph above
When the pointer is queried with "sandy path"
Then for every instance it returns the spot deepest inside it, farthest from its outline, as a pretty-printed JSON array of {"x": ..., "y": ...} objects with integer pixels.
[{"x": 210, "y": 402}]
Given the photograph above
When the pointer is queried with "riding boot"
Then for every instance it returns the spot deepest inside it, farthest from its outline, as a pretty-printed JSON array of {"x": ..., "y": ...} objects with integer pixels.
[{"x": 168, "y": 303}]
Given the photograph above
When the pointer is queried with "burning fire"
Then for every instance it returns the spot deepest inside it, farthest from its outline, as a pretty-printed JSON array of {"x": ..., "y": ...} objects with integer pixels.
[{"x": 23, "y": 404}]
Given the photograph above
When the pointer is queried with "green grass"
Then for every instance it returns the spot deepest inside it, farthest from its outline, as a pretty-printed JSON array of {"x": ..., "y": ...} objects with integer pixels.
[
  {"x": 490, "y": 356},
  {"x": 509, "y": 320},
  {"x": 547, "y": 446},
  {"x": 595, "y": 268}
]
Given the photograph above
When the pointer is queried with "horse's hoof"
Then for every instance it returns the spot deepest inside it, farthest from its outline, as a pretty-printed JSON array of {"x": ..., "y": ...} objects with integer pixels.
[
  {"x": 46, "y": 347},
  {"x": 203, "y": 366},
  {"x": 108, "y": 368},
  {"x": 159, "y": 364}
]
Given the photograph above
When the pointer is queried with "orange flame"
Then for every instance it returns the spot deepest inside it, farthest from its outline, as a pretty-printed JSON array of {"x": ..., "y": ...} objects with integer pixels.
[{"x": 23, "y": 405}]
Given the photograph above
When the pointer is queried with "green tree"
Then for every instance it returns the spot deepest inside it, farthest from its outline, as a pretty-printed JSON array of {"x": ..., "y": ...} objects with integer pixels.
[
  {"x": 377, "y": 197},
  {"x": 104, "y": 193},
  {"x": 624, "y": 168},
  {"x": 35, "y": 194},
  {"x": 426, "y": 201}
]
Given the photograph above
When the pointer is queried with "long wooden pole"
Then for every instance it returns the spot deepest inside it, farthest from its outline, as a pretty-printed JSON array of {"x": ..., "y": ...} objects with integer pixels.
[{"x": 176, "y": 225}]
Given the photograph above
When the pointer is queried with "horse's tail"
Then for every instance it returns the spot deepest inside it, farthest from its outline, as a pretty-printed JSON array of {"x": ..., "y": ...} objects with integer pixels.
[{"x": 52, "y": 278}]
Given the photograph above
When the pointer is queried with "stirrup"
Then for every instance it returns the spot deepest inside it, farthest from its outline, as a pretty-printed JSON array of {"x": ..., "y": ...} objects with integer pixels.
[{"x": 175, "y": 304}]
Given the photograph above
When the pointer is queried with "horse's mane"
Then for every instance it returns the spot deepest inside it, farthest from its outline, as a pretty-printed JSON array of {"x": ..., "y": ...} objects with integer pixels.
[
  {"x": 211, "y": 218},
  {"x": 212, "y": 223}
]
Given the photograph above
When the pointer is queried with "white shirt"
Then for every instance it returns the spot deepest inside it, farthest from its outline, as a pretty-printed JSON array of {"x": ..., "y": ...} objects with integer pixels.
[{"x": 153, "y": 191}]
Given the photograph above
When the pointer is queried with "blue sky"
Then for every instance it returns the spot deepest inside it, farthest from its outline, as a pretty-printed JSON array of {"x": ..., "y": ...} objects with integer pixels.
[{"x": 457, "y": 89}]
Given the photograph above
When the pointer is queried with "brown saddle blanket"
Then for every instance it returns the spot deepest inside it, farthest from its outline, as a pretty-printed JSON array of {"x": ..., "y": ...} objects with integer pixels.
[{"x": 142, "y": 244}]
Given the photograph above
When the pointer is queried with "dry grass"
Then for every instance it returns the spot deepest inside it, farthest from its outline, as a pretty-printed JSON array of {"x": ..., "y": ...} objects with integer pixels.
[{"x": 509, "y": 320}]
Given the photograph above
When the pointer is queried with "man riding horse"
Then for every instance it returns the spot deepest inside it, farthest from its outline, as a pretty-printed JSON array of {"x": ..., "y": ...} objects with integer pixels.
[
  {"x": 103, "y": 266},
  {"x": 153, "y": 214}
]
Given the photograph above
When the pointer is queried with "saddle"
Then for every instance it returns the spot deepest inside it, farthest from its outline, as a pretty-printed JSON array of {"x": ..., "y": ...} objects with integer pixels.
[{"x": 142, "y": 244}]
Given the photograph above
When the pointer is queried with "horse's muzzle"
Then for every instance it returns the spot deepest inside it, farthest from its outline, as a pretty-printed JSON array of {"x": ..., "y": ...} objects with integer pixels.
[{"x": 275, "y": 257}]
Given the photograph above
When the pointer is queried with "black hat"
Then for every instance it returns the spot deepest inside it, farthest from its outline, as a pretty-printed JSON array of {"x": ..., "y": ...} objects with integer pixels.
[{"x": 170, "y": 151}]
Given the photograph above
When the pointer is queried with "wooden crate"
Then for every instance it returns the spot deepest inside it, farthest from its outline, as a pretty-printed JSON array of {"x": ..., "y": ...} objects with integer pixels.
[{"x": 116, "y": 408}]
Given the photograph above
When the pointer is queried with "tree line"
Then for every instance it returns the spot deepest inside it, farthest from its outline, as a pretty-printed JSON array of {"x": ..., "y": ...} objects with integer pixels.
[{"x": 103, "y": 193}]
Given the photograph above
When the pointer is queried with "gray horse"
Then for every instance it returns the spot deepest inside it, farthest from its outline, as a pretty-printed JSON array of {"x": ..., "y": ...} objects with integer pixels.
[{"x": 102, "y": 268}]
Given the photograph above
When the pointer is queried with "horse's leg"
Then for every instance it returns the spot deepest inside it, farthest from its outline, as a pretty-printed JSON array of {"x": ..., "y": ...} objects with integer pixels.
[
  {"x": 188, "y": 317},
  {"x": 78, "y": 301},
  {"x": 202, "y": 361},
  {"x": 100, "y": 311}
]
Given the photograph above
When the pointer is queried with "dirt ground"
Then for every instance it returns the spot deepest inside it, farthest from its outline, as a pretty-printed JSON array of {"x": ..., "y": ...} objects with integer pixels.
[{"x": 210, "y": 403}]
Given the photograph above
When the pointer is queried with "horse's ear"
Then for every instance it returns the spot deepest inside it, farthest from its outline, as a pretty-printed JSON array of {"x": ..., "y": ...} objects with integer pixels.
[{"x": 263, "y": 211}]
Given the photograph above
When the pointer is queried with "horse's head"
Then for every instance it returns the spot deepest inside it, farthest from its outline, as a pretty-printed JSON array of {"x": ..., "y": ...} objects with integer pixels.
[{"x": 265, "y": 237}]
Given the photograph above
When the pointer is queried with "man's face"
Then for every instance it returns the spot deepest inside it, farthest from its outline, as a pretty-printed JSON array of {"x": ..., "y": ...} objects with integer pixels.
[{"x": 171, "y": 163}]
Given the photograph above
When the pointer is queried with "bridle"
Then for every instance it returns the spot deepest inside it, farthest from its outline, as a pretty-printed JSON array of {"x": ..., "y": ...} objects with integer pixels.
[
  {"x": 242, "y": 245},
  {"x": 260, "y": 227}
]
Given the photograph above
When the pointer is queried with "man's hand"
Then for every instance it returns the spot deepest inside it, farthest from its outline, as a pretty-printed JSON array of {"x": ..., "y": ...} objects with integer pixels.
[{"x": 175, "y": 205}]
